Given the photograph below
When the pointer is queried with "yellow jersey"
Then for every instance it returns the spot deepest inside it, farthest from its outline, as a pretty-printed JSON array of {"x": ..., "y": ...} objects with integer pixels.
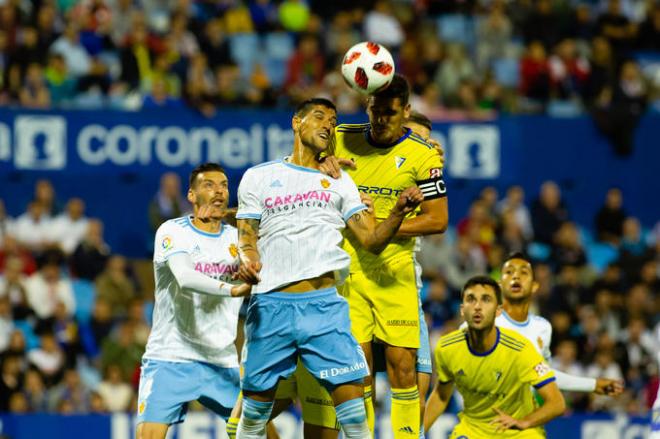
[
  {"x": 500, "y": 378},
  {"x": 383, "y": 172}
]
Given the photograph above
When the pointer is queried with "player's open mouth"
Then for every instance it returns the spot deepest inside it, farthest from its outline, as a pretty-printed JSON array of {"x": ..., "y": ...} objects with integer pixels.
[
  {"x": 217, "y": 202},
  {"x": 324, "y": 135},
  {"x": 516, "y": 287},
  {"x": 476, "y": 318}
]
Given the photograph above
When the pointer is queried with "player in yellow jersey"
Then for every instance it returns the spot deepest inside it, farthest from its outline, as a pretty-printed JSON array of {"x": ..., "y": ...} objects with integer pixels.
[
  {"x": 382, "y": 290},
  {"x": 493, "y": 369}
]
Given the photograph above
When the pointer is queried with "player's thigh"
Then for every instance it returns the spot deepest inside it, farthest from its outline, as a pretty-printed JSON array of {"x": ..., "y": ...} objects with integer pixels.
[
  {"x": 219, "y": 389},
  {"x": 151, "y": 430},
  {"x": 355, "y": 290},
  {"x": 270, "y": 349},
  {"x": 318, "y": 432},
  {"x": 165, "y": 390},
  {"x": 396, "y": 305},
  {"x": 401, "y": 366},
  {"x": 318, "y": 407}
]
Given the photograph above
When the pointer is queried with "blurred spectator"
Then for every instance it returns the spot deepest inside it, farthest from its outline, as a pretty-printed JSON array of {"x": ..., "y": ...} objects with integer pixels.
[
  {"x": 115, "y": 287},
  {"x": 60, "y": 85},
  {"x": 603, "y": 72},
  {"x": 169, "y": 202},
  {"x": 11, "y": 380},
  {"x": 48, "y": 358},
  {"x": 456, "y": 68},
  {"x": 48, "y": 26},
  {"x": 542, "y": 25},
  {"x": 263, "y": 14},
  {"x": 616, "y": 27},
  {"x": 633, "y": 252},
  {"x": 98, "y": 329},
  {"x": 12, "y": 287},
  {"x": 381, "y": 26},
  {"x": 433, "y": 251},
  {"x": 548, "y": 213},
  {"x": 514, "y": 201},
  {"x": 604, "y": 366},
  {"x": 72, "y": 392},
  {"x": 122, "y": 350},
  {"x": 569, "y": 71},
  {"x": 69, "y": 228},
  {"x": 568, "y": 293},
  {"x": 6, "y": 323},
  {"x": 294, "y": 15},
  {"x": 304, "y": 69},
  {"x": 214, "y": 43},
  {"x": 610, "y": 217},
  {"x": 160, "y": 97},
  {"x": 123, "y": 13},
  {"x": 65, "y": 329},
  {"x": 440, "y": 304},
  {"x": 621, "y": 107},
  {"x": 229, "y": 89},
  {"x": 97, "y": 404},
  {"x": 237, "y": 20},
  {"x": 535, "y": 73},
  {"x": 136, "y": 59},
  {"x": 466, "y": 260},
  {"x": 114, "y": 390},
  {"x": 29, "y": 51},
  {"x": 606, "y": 307},
  {"x": 12, "y": 249},
  {"x": 136, "y": 318},
  {"x": 340, "y": 37},
  {"x": 44, "y": 194},
  {"x": 46, "y": 288},
  {"x": 6, "y": 223},
  {"x": 567, "y": 248},
  {"x": 639, "y": 304},
  {"x": 32, "y": 229},
  {"x": 89, "y": 258},
  {"x": 511, "y": 235},
  {"x": 648, "y": 33},
  {"x": 185, "y": 42},
  {"x": 639, "y": 343},
  {"x": 493, "y": 36},
  {"x": 478, "y": 225},
  {"x": 34, "y": 390}
]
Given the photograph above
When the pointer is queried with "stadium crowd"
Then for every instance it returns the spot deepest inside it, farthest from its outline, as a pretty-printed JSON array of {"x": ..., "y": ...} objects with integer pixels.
[
  {"x": 466, "y": 59},
  {"x": 74, "y": 316}
]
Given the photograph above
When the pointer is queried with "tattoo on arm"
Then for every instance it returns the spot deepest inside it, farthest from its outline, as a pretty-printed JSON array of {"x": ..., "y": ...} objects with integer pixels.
[{"x": 248, "y": 232}]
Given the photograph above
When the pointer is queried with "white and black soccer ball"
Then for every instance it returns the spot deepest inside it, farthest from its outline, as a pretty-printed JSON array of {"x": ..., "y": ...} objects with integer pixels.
[{"x": 367, "y": 67}]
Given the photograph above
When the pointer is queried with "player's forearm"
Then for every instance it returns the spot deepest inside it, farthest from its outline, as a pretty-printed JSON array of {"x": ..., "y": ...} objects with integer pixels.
[
  {"x": 572, "y": 383},
  {"x": 552, "y": 407},
  {"x": 248, "y": 233},
  {"x": 424, "y": 224},
  {"x": 188, "y": 278},
  {"x": 384, "y": 232},
  {"x": 435, "y": 406}
]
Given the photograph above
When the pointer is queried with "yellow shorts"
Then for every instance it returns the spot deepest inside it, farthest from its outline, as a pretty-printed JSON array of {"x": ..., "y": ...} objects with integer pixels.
[
  {"x": 315, "y": 400},
  {"x": 463, "y": 430},
  {"x": 384, "y": 304}
]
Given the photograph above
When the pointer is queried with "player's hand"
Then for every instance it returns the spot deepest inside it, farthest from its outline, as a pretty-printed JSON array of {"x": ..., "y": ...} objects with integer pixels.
[
  {"x": 408, "y": 201},
  {"x": 242, "y": 290},
  {"x": 438, "y": 149},
  {"x": 367, "y": 201},
  {"x": 210, "y": 212},
  {"x": 249, "y": 272},
  {"x": 605, "y": 386},
  {"x": 503, "y": 422},
  {"x": 331, "y": 165}
]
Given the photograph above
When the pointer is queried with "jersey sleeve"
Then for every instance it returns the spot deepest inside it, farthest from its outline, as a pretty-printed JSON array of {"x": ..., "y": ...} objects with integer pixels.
[
  {"x": 533, "y": 369},
  {"x": 249, "y": 205},
  {"x": 170, "y": 240},
  {"x": 546, "y": 337},
  {"x": 429, "y": 177},
  {"x": 351, "y": 202},
  {"x": 442, "y": 368}
]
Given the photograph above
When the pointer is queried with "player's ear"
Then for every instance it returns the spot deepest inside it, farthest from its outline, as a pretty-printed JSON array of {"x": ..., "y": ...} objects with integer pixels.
[
  {"x": 462, "y": 315},
  {"x": 498, "y": 311},
  {"x": 295, "y": 123},
  {"x": 406, "y": 111},
  {"x": 535, "y": 287},
  {"x": 191, "y": 196}
]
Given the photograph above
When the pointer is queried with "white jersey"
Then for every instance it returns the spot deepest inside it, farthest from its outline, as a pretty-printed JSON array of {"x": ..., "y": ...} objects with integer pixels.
[
  {"x": 536, "y": 329},
  {"x": 302, "y": 213},
  {"x": 190, "y": 326}
]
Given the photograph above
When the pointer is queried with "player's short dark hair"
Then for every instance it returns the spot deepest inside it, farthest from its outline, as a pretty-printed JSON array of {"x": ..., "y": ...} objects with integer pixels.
[
  {"x": 204, "y": 167},
  {"x": 483, "y": 280},
  {"x": 304, "y": 107},
  {"x": 398, "y": 88},
  {"x": 420, "y": 119},
  {"x": 518, "y": 255}
]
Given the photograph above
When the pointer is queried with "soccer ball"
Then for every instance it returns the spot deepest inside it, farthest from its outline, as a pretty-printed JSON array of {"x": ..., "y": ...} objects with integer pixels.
[{"x": 367, "y": 67}]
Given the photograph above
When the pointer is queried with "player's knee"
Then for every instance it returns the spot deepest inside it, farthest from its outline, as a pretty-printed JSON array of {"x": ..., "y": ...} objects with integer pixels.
[
  {"x": 150, "y": 430},
  {"x": 402, "y": 373}
]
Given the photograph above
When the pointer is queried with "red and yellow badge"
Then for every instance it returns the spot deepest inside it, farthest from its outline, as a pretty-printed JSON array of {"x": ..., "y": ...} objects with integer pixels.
[
  {"x": 143, "y": 405},
  {"x": 325, "y": 183},
  {"x": 233, "y": 250}
]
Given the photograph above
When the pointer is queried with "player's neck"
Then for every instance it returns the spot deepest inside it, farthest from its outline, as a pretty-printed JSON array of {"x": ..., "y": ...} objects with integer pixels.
[
  {"x": 517, "y": 311},
  {"x": 304, "y": 156},
  {"x": 207, "y": 225},
  {"x": 482, "y": 340}
]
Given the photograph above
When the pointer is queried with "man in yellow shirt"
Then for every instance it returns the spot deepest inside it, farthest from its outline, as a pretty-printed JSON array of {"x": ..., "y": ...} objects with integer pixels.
[
  {"x": 382, "y": 290},
  {"x": 493, "y": 369}
]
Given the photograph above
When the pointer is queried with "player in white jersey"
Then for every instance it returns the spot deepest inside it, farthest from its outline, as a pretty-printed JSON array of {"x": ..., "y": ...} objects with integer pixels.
[
  {"x": 191, "y": 354},
  {"x": 290, "y": 217},
  {"x": 518, "y": 286}
]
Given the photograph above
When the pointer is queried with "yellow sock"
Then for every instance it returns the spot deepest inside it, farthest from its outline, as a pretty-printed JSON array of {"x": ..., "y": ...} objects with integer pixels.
[
  {"x": 405, "y": 413},
  {"x": 369, "y": 405},
  {"x": 232, "y": 426}
]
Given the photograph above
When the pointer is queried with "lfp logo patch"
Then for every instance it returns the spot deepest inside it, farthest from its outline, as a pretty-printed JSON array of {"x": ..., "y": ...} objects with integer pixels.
[{"x": 166, "y": 243}]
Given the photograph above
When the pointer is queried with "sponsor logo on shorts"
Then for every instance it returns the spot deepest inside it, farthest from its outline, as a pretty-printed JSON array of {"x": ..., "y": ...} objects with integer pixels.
[
  {"x": 424, "y": 361},
  {"x": 402, "y": 323},
  {"x": 319, "y": 401},
  {"x": 339, "y": 371}
]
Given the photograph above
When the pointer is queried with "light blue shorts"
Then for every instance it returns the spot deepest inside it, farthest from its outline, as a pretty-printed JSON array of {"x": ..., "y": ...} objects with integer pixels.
[
  {"x": 424, "y": 364},
  {"x": 166, "y": 388},
  {"x": 315, "y": 326}
]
